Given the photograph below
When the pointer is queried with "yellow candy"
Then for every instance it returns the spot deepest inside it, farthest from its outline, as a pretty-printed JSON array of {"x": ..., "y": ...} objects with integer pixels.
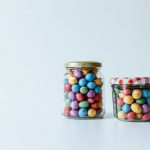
[
  {"x": 121, "y": 95},
  {"x": 92, "y": 113},
  {"x": 98, "y": 81},
  {"x": 72, "y": 80},
  {"x": 137, "y": 94},
  {"x": 138, "y": 116},
  {"x": 122, "y": 115},
  {"x": 136, "y": 108},
  {"x": 128, "y": 99},
  {"x": 85, "y": 71},
  {"x": 69, "y": 75}
]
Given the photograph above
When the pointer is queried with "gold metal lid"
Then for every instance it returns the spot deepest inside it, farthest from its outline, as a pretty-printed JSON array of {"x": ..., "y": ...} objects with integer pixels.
[{"x": 80, "y": 64}]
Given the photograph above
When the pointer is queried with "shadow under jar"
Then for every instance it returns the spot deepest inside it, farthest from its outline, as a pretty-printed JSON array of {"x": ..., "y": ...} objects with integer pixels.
[
  {"x": 131, "y": 98},
  {"x": 83, "y": 92}
]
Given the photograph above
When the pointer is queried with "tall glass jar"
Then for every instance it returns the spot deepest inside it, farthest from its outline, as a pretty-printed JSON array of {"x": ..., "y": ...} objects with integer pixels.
[
  {"x": 131, "y": 98},
  {"x": 83, "y": 90}
]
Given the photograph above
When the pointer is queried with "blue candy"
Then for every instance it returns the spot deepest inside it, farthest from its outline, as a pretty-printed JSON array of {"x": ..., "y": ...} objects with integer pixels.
[
  {"x": 91, "y": 85},
  {"x": 148, "y": 100},
  {"x": 126, "y": 108},
  {"x": 97, "y": 89},
  {"x": 75, "y": 88},
  {"x": 146, "y": 93},
  {"x": 82, "y": 112},
  {"x": 65, "y": 81},
  {"x": 90, "y": 77},
  {"x": 82, "y": 82}
]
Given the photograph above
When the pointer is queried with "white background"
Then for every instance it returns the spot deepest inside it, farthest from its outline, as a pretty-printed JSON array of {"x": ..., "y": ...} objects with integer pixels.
[{"x": 36, "y": 39}]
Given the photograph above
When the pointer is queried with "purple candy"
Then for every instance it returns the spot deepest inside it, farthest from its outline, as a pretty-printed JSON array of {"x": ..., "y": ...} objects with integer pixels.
[
  {"x": 77, "y": 74},
  {"x": 74, "y": 113},
  {"x": 74, "y": 105},
  {"x": 91, "y": 94},
  {"x": 71, "y": 95},
  {"x": 98, "y": 111},
  {"x": 146, "y": 108}
]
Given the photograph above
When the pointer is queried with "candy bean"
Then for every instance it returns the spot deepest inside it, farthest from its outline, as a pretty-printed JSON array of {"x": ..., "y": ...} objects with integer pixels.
[
  {"x": 136, "y": 108},
  {"x": 128, "y": 99},
  {"x": 91, "y": 112},
  {"x": 137, "y": 94}
]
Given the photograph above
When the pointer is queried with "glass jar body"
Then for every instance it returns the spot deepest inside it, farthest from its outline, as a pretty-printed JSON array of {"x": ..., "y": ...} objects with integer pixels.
[
  {"x": 83, "y": 93},
  {"x": 131, "y": 103}
]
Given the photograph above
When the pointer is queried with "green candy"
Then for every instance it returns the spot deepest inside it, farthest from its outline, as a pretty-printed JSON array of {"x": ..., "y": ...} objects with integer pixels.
[
  {"x": 67, "y": 102},
  {"x": 140, "y": 101},
  {"x": 83, "y": 90},
  {"x": 66, "y": 94},
  {"x": 84, "y": 104},
  {"x": 119, "y": 108}
]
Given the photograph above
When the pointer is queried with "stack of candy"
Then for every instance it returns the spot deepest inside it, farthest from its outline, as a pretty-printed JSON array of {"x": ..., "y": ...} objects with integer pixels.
[
  {"x": 82, "y": 93},
  {"x": 132, "y": 101}
]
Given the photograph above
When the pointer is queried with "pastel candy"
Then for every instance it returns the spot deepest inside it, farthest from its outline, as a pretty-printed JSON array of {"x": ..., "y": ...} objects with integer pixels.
[
  {"x": 91, "y": 100},
  {"x": 66, "y": 94},
  {"x": 120, "y": 101},
  {"x": 146, "y": 117},
  {"x": 137, "y": 94},
  {"x": 146, "y": 93},
  {"x": 98, "y": 81},
  {"x": 67, "y": 112},
  {"x": 126, "y": 108},
  {"x": 82, "y": 82},
  {"x": 146, "y": 108},
  {"x": 126, "y": 91},
  {"x": 82, "y": 112},
  {"x": 75, "y": 88},
  {"x": 140, "y": 101},
  {"x": 121, "y": 95},
  {"x": 148, "y": 100},
  {"x": 91, "y": 85},
  {"x": 72, "y": 80},
  {"x": 84, "y": 104},
  {"x": 91, "y": 94},
  {"x": 90, "y": 77},
  {"x": 91, "y": 112},
  {"x": 136, "y": 108},
  {"x": 67, "y": 87},
  {"x": 71, "y": 95},
  {"x": 77, "y": 74},
  {"x": 79, "y": 97},
  {"x": 67, "y": 102},
  {"x": 128, "y": 99},
  {"x": 74, "y": 113},
  {"x": 83, "y": 89},
  {"x": 122, "y": 115},
  {"x": 65, "y": 81},
  {"x": 97, "y": 89},
  {"x": 74, "y": 104},
  {"x": 131, "y": 116}
]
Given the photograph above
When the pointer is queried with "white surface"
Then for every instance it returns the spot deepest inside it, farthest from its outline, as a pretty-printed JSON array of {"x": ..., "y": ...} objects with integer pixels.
[{"x": 36, "y": 39}]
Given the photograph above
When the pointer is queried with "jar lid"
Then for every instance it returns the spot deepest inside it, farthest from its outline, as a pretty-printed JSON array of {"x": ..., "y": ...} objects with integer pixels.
[
  {"x": 80, "y": 64},
  {"x": 130, "y": 81}
]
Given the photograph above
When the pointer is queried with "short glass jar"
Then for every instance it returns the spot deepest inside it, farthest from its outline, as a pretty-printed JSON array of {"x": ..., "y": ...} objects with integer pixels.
[
  {"x": 131, "y": 98},
  {"x": 83, "y": 94}
]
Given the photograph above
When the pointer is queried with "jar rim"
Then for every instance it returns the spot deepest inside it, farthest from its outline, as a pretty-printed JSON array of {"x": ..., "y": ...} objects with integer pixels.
[{"x": 80, "y": 64}]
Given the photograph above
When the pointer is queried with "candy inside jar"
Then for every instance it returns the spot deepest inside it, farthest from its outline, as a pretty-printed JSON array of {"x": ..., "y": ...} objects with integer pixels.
[
  {"x": 83, "y": 94},
  {"x": 131, "y": 98}
]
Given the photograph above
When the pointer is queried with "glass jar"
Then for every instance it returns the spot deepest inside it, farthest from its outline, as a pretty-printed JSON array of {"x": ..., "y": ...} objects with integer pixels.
[
  {"x": 131, "y": 98},
  {"x": 83, "y": 92}
]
